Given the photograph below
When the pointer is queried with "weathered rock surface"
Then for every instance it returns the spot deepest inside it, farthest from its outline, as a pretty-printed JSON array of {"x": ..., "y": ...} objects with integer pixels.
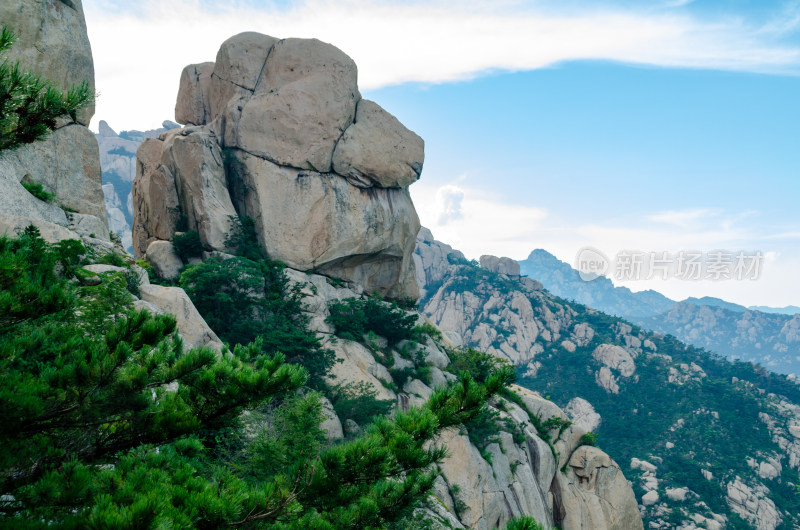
[
  {"x": 596, "y": 493},
  {"x": 194, "y": 95},
  {"x": 378, "y": 149},
  {"x": 280, "y": 108},
  {"x": 191, "y": 326},
  {"x": 318, "y": 221},
  {"x": 165, "y": 261},
  {"x": 118, "y": 164},
  {"x": 52, "y": 42},
  {"x": 505, "y": 266},
  {"x": 156, "y": 207},
  {"x": 195, "y": 159},
  {"x": 582, "y": 414},
  {"x": 432, "y": 260}
]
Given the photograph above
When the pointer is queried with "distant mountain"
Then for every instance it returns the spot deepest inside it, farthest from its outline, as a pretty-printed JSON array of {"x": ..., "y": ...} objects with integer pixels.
[
  {"x": 716, "y": 302},
  {"x": 770, "y": 338},
  {"x": 563, "y": 281},
  {"x": 788, "y": 310},
  {"x": 118, "y": 164}
]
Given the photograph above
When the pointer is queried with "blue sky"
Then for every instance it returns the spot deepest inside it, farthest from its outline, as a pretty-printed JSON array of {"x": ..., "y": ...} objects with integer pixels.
[{"x": 654, "y": 126}]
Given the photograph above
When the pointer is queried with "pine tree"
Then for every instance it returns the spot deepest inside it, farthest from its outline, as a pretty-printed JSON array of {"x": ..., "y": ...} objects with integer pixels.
[
  {"x": 30, "y": 105},
  {"x": 106, "y": 421}
]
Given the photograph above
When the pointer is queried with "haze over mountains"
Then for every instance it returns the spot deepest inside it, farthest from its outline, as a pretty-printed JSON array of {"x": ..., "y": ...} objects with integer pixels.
[{"x": 767, "y": 336}]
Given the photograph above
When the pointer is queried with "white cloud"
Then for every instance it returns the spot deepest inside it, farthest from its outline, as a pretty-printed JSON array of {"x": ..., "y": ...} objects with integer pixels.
[
  {"x": 683, "y": 218},
  {"x": 489, "y": 225},
  {"x": 139, "y": 54},
  {"x": 483, "y": 224},
  {"x": 449, "y": 201}
]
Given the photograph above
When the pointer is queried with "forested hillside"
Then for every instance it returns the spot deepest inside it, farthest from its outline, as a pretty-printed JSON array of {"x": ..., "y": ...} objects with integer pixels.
[{"x": 706, "y": 442}]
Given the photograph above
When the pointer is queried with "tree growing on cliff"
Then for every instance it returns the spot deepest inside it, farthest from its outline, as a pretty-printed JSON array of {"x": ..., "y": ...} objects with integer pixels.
[{"x": 30, "y": 105}]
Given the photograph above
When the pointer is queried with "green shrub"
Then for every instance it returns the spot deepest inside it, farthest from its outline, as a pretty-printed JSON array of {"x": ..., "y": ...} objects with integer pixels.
[
  {"x": 477, "y": 363},
  {"x": 589, "y": 438},
  {"x": 188, "y": 245},
  {"x": 243, "y": 239},
  {"x": 38, "y": 191},
  {"x": 242, "y": 300},
  {"x": 358, "y": 402},
  {"x": 523, "y": 522},
  {"x": 112, "y": 259},
  {"x": 353, "y": 318}
]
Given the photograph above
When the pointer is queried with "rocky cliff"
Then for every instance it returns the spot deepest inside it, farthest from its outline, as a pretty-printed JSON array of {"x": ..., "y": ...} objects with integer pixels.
[
  {"x": 52, "y": 42},
  {"x": 546, "y": 473},
  {"x": 277, "y": 132},
  {"x": 118, "y": 165},
  {"x": 708, "y": 443}
]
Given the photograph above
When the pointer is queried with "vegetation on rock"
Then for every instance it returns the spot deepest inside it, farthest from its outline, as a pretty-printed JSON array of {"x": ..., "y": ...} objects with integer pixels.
[{"x": 30, "y": 105}]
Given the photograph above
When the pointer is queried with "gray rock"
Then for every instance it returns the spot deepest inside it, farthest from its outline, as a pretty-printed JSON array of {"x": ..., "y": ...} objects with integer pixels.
[
  {"x": 52, "y": 42},
  {"x": 318, "y": 221},
  {"x": 302, "y": 106},
  {"x": 191, "y": 326},
  {"x": 155, "y": 198},
  {"x": 12, "y": 225},
  {"x": 193, "y": 106},
  {"x": 88, "y": 225},
  {"x": 500, "y": 265},
  {"x": 379, "y": 150},
  {"x": 165, "y": 261},
  {"x": 195, "y": 159},
  {"x": 65, "y": 164}
]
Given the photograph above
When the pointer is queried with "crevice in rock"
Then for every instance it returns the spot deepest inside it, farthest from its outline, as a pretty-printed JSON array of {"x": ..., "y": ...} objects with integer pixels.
[{"x": 264, "y": 66}]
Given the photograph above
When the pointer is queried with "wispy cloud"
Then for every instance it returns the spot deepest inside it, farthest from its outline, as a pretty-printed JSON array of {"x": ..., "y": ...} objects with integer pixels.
[{"x": 139, "y": 52}]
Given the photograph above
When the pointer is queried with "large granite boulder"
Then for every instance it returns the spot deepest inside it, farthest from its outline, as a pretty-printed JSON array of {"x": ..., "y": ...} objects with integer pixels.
[
  {"x": 279, "y": 133},
  {"x": 52, "y": 42},
  {"x": 155, "y": 198}
]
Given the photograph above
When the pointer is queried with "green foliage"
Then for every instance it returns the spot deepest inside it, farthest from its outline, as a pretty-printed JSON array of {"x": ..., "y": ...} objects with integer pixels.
[
  {"x": 188, "y": 245},
  {"x": 477, "y": 363},
  {"x": 29, "y": 286},
  {"x": 243, "y": 240},
  {"x": 242, "y": 300},
  {"x": 38, "y": 191},
  {"x": 30, "y": 105},
  {"x": 112, "y": 258},
  {"x": 353, "y": 318},
  {"x": 358, "y": 402},
  {"x": 588, "y": 438},
  {"x": 523, "y": 522},
  {"x": 86, "y": 379}
]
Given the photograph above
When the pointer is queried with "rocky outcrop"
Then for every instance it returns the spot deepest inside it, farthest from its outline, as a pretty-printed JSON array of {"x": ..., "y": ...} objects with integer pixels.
[
  {"x": 118, "y": 164},
  {"x": 52, "y": 42},
  {"x": 432, "y": 259},
  {"x": 506, "y": 266},
  {"x": 278, "y": 132},
  {"x": 519, "y": 474}
]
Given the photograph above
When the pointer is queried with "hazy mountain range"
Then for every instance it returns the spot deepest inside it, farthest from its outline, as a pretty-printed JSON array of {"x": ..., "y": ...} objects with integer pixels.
[{"x": 767, "y": 336}]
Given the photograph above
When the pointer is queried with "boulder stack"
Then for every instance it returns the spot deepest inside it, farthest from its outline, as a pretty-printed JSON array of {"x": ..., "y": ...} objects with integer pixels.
[{"x": 277, "y": 131}]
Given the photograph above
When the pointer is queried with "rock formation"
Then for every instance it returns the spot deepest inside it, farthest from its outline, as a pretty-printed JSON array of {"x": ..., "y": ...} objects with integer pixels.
[
  {"x": 506, "y": 266},
  {"x": 511, "y": 477},
  {"x": 277, "y": 131},
  {"x": 52, "y": 42},
  {"x": 118, "y": 164}
]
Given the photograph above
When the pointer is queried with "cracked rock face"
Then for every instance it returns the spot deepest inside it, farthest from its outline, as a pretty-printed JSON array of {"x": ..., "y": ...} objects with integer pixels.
[{"x": 280, "y": 134}]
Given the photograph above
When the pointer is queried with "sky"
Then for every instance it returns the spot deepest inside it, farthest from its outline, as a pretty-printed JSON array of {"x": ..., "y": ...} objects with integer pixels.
[{"x": 642, "y": 126}]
